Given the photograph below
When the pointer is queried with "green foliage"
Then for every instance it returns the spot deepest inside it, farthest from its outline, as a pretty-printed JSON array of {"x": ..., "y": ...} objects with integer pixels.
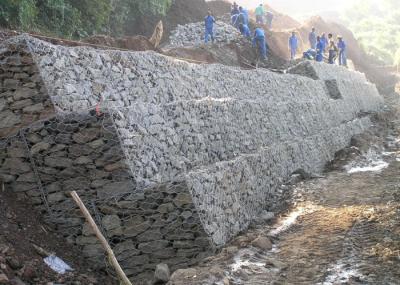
[
  {"x": 78, "y": 18},
  {"x": 377, "y": 27}
]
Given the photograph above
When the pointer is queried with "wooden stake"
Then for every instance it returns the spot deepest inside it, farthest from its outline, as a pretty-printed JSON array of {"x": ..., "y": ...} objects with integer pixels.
[{"x": 113, "y": 260}]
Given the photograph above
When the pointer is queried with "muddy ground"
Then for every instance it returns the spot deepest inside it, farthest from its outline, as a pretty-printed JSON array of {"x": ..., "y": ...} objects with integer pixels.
[{"x": 341, "y": 228}]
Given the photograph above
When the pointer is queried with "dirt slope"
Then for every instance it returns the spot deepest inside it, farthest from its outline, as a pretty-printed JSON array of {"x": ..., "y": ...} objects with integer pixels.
[{"x": 21, "y": 228}]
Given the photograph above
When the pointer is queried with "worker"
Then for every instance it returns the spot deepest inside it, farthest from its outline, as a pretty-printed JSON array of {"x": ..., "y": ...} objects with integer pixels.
[
  {"x": 320, "y": 50},
  {"x": 244, "y": 30},
  {"x": 332, "y": 49},
  {"x": 342, "y": 51},
  {"x": 235, "y": 20},
  {"x": 293, "y": 45},
  {"x": 243, "y": 16},
  {"x": 235, "y": 9},
  {"x": 270, "y": 17},
  {"x": 310, "y": 54},
  {"x": 260, "y": 14},
  {"x": 312, "y": 38},
  {"x": 324, "y": 42},
  {"x": 259, "y": 40},
  {"x": 209, "y": 27}
]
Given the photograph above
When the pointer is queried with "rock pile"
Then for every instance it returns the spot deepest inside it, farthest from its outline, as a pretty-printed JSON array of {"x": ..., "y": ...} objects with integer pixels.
[{"x": 193, "y": 34}]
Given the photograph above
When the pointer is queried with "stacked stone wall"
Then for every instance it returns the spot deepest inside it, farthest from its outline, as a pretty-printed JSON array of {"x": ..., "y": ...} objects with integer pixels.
[
  {"x": 23, "y": 98},
  {"x": 173, "y": 156}
]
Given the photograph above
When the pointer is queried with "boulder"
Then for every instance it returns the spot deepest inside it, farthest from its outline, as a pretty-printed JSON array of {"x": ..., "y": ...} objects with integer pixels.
[
  {"x": 161, "y": 274},
  {"x": 262, "y": 243}
]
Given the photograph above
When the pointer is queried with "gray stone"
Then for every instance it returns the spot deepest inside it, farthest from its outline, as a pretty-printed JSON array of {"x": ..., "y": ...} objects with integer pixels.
[
  {"x": 92, "y": 250},
  {"x": 114, "y": 189},
  {"x": 83, "y": 160},
  {"x": 150, "y": 235},
  {"x": 112, "y": 225},
  {"x": 11, "y": 83},
  {"x": 150, "y": 247},
  {"x": 84, "y": 240},
  {"x": 166, "y": 208},
  {"x": 9, "y": 119},
  {"x": 162, "y": 273},
  {"x": 24, "y": 93},
  {"x": 16, "y": 166},
  {"x": 39, "y": 147},
  {"x": 37, "y": 108},
  {"x": 3, "y": 104},
  {"x": 135, "y": 261},
  {"x": 21, "y": 104},
  {"x": 183, "y": 199},
  {"x": 134, "y": 230},
  {"x": 55, "y": 197},
  {"x": 125, "y": 250},
  {"x": 86, "y": 135},
  {"x": 27, "y": 177},
  {"x": 262, "y": 243},
  {"x": 58, "y": 162}
]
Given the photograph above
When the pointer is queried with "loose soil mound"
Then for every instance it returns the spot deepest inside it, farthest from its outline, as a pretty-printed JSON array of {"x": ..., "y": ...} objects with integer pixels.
[
  {"x": 238, "y": 53},
  {"x": 136, "y": 43}
]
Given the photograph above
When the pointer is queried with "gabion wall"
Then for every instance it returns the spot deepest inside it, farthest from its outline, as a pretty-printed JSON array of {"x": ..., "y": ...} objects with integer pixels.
[{"x": 171, "y": 156}]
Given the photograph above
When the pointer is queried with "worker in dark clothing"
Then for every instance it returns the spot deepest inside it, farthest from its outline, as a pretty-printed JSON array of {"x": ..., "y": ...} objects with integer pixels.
[
  {"x": 332, "y": 49},
  {"x": 209, "y": 21},
  {"x": 342, "y": 51},
  {"x": 310, "y": 54},
  {"x": 312, "y": 38},
  {"x": 259, "y": 40},
  {"x": 245, "y": 31},
  {"x": 235, "y": 9},
  {"x": 324, "y": 42},
  {"x": 243, "y": 16},
  {"x": 270, "y": 18},
  {"x": 293, "y": 45},
  {"x": 320, "y": 50}
]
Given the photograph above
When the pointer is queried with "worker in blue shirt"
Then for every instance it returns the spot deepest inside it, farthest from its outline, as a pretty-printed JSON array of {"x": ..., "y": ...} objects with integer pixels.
[
  {"x": 209, "y": 25},
  {"x": 324, "y": 42},
  {"x": 259, "y": 40},
  {"x": 245, "y": 31},
  {"x": 320, "y": 50},
  {"x": 293, "y": 45},
  {"x": 342, "y": 51},
  {"x": 312, "y": 38},
  {"x": 243, "y": 16}
]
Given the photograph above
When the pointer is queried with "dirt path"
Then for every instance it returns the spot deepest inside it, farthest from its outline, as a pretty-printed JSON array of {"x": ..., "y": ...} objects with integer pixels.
[{"x": 343, "y": 229}]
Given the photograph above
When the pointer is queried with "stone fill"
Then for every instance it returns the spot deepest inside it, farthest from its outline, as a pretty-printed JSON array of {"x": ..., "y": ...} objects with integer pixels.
[
  {"x": 175, "y": 159},
  {"x": 193, "y": 34}
]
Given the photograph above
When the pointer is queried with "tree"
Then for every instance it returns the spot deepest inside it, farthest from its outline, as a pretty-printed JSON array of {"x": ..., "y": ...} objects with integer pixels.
[{"x": 377, "y": 27}]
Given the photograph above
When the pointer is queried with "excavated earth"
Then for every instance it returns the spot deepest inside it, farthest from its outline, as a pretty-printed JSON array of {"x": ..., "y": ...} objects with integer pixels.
[{"x": 342, "y": 228}]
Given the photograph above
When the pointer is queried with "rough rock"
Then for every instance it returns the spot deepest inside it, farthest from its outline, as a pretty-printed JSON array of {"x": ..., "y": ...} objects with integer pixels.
[
  {"x": 161, "y": 274},
  {"x": 262, "y": 243}
]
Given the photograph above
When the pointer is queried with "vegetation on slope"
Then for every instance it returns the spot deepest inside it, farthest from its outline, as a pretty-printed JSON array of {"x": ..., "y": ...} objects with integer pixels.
[
  {"x": 78, "y": 18},
  {"x": 377, "y": 27}
]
